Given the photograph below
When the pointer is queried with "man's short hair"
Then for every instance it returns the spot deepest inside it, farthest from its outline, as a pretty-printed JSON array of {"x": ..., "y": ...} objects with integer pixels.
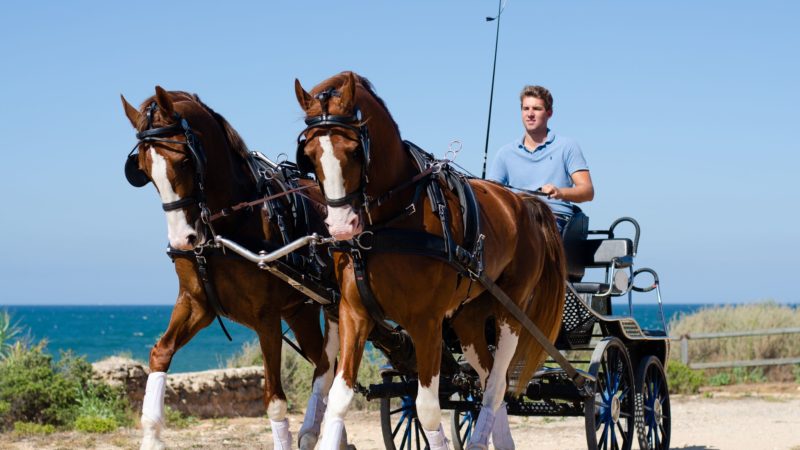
[{"x": 537, "y": 92}]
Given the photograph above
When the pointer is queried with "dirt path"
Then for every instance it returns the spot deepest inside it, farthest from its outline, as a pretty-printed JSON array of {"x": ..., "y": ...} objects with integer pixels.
[{"x": 727, "y": 420}]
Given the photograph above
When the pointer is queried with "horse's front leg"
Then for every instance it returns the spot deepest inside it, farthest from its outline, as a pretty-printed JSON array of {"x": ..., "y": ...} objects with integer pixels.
[
  {"x": 354, "y": 327},
  {"x": 269, "y": 338},
  {"x": 427, "y": 336},
  {"x": 188, "y": 317},
  {"x": 323, "y": 378}
]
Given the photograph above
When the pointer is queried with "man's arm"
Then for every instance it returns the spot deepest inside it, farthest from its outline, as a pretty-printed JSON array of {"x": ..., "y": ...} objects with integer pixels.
[{"x": 583, "y": 191}]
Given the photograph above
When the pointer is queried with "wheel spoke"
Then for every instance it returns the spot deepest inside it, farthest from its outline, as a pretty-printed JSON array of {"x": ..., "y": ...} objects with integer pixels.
[
  {"x": 614, "y": 437},
  {"x": 400, "y": 409},
  {"x": 416, "y": 432},
  {"x": 399, "y": 424},
  {"x": 604, "y": 436}
]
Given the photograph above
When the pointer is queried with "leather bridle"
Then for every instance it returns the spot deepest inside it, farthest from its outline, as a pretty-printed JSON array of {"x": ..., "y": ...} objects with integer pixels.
[
  {"x": 352, "y": 123},
  {"x": 137, "y": 178}
]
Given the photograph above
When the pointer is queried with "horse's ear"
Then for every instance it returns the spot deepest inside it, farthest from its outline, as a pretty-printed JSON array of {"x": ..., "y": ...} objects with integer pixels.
[
  {"x": 133, "y": 114},
  {"x": 163, "y": 100},
  {"x": 303, "y": 97},
  {"x": 349, "y": 91}
]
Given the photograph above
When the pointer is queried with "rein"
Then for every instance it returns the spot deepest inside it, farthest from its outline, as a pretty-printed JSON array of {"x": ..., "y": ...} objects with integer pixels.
[{"x": 228, "y": 211}]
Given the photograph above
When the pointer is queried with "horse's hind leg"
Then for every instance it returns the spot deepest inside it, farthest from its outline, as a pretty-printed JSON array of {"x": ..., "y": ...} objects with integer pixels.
[
  {"x": 323, "y": 378},
  {"x": 188, "y": 317},
  {"x": 494, "y": 391},
  {"x": 269, "y": 338},
  {"x": 426, "y": 334},
  {"x": 469, "y": 325}
]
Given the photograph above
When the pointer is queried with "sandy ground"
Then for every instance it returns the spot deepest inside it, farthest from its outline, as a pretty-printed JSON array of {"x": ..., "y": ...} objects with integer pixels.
[{"x": 763, "y": 417}]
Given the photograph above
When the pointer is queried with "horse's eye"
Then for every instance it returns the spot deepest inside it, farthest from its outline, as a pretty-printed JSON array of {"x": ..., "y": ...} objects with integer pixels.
[{"x": 185, "y": 162}]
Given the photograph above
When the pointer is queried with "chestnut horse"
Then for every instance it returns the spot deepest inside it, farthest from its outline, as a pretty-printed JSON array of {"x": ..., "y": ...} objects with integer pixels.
[
  {"x": 372, "y": 184},
  {"x": 199, "y": 165}
]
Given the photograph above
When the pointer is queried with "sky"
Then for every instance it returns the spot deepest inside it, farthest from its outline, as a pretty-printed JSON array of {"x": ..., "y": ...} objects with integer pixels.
[{"x": 686, "y": 112}]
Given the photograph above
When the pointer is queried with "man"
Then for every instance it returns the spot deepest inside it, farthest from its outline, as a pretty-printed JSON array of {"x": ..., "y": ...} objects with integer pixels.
[{"x": 542, "y": 159}]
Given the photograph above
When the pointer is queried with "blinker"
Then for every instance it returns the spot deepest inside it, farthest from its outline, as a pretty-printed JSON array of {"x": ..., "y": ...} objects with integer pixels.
[{"x": 135, "y": 176}]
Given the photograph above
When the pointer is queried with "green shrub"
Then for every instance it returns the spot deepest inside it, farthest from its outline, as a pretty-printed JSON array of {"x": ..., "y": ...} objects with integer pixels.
[
  {"x": 683, "y": 380},
  {"x": 95, "y": 424},
  {"x": 720, "y": 379},
  {"x": 9, "y": 330},
  {"x": 38, "y": 390},
  {"x": 34, "y": 389},
  {"x": 297, "y": 374},
  {"x": 177, "y": 420},
  {"x": 30, "y": 428}
]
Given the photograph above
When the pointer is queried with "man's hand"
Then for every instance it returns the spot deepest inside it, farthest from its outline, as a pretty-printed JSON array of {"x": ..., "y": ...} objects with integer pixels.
[{"x": 552, "y": 192}]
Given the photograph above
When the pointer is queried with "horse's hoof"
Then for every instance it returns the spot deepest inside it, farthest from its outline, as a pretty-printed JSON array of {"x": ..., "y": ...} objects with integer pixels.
[
  {"x": 152, "y": 444},
  {"x": 308, "y": 441},
  {"x": 477, "y": 447}
]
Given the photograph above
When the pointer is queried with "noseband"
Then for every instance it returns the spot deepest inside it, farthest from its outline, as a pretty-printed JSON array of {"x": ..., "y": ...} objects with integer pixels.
[
  {"x": 137, "y": 178},
  {"x": 325, "y": 120}
]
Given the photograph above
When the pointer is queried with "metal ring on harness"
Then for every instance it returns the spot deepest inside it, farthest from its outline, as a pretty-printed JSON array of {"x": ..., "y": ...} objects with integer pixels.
[{"x": 362, "y": 246}]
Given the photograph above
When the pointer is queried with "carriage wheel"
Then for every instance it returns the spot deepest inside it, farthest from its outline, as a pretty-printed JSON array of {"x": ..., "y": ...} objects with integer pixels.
[
  {"x": 610, "y": 417},
  {"x": 462, "y": 422},
  {"x": 399, "y": 423},
  {"x": 651, "y": 384}
]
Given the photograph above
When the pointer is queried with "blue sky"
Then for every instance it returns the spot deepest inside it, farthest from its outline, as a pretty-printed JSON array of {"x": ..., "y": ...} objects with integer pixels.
[{"x": 686, "y": 112}]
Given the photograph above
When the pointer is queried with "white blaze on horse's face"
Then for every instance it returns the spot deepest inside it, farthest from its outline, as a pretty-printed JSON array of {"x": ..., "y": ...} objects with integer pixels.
[
  {"x": 182, "y": 236},
  {"x": 342, "y": 221}
]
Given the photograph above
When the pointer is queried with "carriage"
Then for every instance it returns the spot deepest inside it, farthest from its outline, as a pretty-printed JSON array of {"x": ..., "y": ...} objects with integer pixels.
[
  {"x": 626, "y": 364},
  {"x": 620, "y": 390}
]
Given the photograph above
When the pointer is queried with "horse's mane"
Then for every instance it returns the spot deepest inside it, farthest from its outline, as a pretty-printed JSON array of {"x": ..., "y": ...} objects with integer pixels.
[
  {"x": 339, "y": 80},
  {"x": 232, "y": 137}
]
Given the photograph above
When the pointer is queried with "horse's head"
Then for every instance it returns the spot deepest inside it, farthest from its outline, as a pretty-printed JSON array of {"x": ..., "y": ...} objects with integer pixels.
[
  {"x": 335, "y": 145},
  {"x": 172, "y": 128}
]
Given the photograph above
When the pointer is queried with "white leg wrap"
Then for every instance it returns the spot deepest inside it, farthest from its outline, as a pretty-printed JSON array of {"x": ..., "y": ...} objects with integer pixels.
[
  {"x": 309, "y": 432},
  {"x": 281, "y": 437},
  {"x": 151, "y": 435},
  {"x": 333, "y": 434},
  {"x": 153, "y": 403},
  {"x": 483, "y": 427},
  {"x": 153, "y": 411},
  {"x": 436, "y": 439},
  {"x": 501, "y": 433}
]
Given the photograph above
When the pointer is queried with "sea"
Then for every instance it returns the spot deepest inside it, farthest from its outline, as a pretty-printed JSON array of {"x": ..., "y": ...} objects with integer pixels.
[{"x": 97, "y": 332}]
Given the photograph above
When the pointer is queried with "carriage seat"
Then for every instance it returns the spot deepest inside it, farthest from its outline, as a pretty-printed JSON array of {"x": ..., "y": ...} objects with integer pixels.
[{"x": 583, "y": 253}]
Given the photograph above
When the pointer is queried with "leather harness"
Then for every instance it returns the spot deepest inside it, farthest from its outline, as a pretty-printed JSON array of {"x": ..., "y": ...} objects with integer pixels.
[{"x": 272, "y": 183}]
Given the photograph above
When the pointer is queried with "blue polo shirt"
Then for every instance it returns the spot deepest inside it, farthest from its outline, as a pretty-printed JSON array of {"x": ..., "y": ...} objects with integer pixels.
[{"x": 552, "y": 162}]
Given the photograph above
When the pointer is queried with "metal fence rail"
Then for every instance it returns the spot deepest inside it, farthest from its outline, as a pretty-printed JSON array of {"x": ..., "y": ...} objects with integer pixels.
[{"x": 684, "y": 342}]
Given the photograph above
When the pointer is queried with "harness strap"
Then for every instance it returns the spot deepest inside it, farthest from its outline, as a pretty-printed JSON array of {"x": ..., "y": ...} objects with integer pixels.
[
  {"x": 211, "y": 292},
  {"x": 365, "y": 292},
  {"x": 537, "y": 334},
  {"x": 426, "y": 244},
  {"x": 178, "y": 204},
  {"x": 208, "y": 285}
]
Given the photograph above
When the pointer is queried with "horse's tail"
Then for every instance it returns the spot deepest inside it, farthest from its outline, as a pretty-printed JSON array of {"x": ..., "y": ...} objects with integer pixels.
[{"x": 546, "y": 304}]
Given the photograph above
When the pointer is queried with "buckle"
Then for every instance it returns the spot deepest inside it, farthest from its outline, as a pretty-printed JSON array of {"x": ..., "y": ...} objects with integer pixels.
[{"x": 411, "y": 209}]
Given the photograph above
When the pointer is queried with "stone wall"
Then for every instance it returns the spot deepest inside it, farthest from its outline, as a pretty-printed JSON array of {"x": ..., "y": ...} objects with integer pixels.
[{"x": 211, "y": 393}]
